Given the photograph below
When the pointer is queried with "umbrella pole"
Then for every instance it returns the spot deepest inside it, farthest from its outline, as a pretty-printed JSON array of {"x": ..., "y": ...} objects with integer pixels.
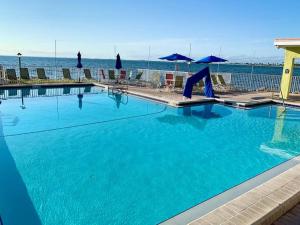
[
  {"x": 78, "y": 75},
  {"x": 189, "y": 62},
  {"x": 218, "y": 62}
]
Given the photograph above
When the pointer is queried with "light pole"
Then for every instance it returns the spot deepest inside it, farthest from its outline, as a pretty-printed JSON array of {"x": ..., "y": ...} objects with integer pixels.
[
  {"x": 19, "y": 57},
  {"x": 55, "y": 60}
]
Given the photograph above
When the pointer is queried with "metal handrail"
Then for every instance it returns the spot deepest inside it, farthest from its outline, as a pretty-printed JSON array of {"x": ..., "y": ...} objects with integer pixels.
[
  {"x": 283, "y": 103},
  {"x": 282, "y": 99}
]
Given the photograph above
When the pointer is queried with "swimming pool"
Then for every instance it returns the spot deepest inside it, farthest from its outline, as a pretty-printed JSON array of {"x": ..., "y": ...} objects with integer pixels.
[{"x": 83, "y": 156}]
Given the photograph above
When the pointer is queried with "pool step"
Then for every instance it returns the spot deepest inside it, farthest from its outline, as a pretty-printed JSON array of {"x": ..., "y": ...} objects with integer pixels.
[{"x": 288, "y": 114}]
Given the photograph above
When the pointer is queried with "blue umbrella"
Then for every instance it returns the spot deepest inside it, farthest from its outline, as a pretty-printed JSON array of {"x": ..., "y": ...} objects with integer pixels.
[
  {"x": 79, "y": 65},
  {"x": 118, "y": 62},
  {"x": 211, "y": 59},
  {"x": 177, "y": 57}
]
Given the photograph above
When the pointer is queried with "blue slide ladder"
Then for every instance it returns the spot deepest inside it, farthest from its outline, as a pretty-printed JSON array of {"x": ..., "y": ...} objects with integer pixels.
[{"x": 191, "y": 81}]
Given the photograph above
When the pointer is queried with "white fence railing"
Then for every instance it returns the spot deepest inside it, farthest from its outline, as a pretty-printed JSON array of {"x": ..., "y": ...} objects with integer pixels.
[
  {"x": 148, "y": 74},
  {"x": 251, "y": 82},
  {"x": 242, "y": 81}
]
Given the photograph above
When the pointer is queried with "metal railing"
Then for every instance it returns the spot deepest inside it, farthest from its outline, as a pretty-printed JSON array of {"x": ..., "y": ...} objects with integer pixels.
[
  {"x": 252, "y": 82},
  {"x": 241, "y": 81},
  {"x": 149, "y": 74},
  {"x": 57, "y": 73}
]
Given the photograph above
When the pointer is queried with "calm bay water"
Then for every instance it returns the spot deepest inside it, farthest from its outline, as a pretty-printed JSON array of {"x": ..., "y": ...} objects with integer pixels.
[{"x": 140, "y": 64}]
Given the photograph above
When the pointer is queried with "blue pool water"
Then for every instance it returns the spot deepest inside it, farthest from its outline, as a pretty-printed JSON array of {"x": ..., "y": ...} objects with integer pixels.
[{"x": 124, "y": 160}]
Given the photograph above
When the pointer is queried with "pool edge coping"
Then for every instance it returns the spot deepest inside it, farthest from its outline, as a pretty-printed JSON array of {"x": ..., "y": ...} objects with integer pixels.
[
  {"x": 263, "y": 204},
  {"x": 240, "y": 197}
]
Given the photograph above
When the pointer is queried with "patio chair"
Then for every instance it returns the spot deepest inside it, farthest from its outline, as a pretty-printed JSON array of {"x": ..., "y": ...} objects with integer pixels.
[
  {"x": 169, "y": 80},
  {"x": 66, "y": 74},
  {"x": 214, "y": 80},
  {"x": 199, "y": 86},
  {"x": 178, "y": 82},
  {"x": 223, "y": 83},
  {"x": 102, "y": 76},
  {"x": 155, "y": 80},
  {"x": 122, "y": 79},
  {"x": 1, "y": 72},
  {"x": 137, "y": 80},
  {"x": 41, "y": 74},
  {"x": 111, "y": 75},
  {"x": 216, "y": 83},
  {"x": 221, "y": 80},
  {"x": 87, "y": 74},
  {"x": 24, "y": 74},
  {"x": 11, "y": 75},
  {"x": 139, "y": 75},
  {"x": 122, "y": 74}
]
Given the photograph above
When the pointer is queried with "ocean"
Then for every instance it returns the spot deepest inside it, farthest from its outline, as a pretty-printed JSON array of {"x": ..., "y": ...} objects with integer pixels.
[{"x": 140, "y": 64}]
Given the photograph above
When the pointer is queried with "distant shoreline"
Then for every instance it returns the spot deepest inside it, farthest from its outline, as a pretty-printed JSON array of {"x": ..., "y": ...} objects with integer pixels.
[{"x": 228, "y": 63}]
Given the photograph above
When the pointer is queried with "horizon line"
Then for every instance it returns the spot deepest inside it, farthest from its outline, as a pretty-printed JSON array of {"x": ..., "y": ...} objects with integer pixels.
[{"x": 246, "y": 60}]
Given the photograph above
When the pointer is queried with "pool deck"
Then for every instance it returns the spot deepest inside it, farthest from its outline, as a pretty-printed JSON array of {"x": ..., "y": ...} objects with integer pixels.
[
  {"x": 174, "y": 98},
  {"x": 233, "y": 98},
  {"x": 238, "y": 99}
]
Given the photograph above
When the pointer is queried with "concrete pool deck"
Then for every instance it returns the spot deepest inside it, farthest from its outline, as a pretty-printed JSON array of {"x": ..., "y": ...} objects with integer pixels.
[{"x": 234, "y": 98}]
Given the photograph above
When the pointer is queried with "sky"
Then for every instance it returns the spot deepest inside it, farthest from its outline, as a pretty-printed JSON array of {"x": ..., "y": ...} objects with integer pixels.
[{"x": 239, "y": 30}]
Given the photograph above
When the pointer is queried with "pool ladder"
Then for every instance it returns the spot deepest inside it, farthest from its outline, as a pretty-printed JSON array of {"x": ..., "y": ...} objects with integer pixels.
[
  {"x": 283, "y": 103},
  {"x": 282, "y": 99}
]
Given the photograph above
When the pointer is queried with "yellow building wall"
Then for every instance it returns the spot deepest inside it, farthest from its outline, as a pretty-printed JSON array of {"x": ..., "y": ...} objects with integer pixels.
[{"x": 291, "y": 53}]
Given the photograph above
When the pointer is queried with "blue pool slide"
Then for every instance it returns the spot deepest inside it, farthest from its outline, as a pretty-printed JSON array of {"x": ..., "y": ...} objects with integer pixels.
[{"x": 191, "y": 81}]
